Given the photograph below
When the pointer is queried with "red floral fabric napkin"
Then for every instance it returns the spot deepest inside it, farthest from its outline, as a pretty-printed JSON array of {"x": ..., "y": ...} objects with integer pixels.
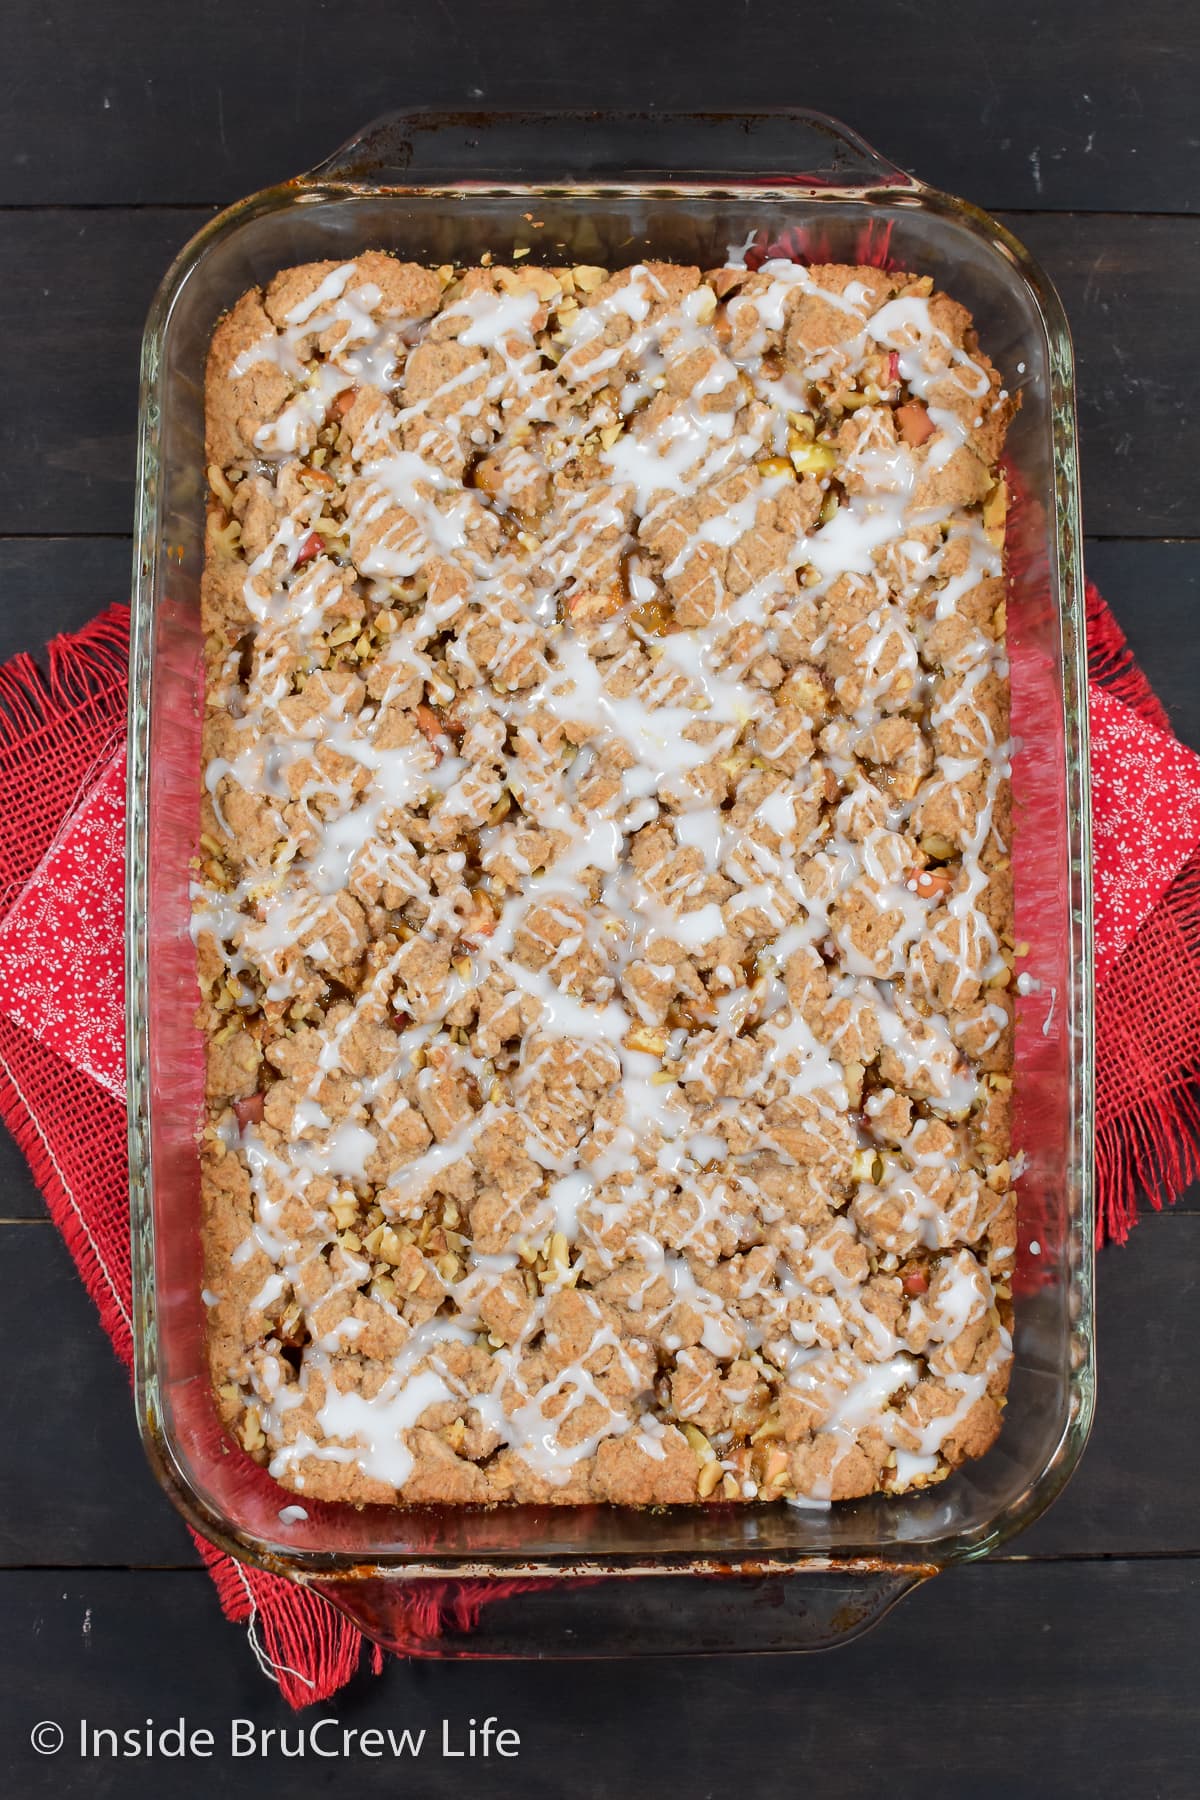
[
  {"x": 1146, "y": 856},
  {"x": 62, "y": 760},
  {"x": 1146, "y": 821},
  {"x": 61, "y": 974}
]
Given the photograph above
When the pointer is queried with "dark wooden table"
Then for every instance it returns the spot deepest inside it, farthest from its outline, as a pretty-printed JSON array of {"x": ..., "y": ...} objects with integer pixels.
[{"x": 1063, "y": 1667}]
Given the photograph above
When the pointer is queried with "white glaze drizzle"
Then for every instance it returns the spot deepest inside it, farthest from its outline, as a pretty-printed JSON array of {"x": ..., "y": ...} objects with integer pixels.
[{"x": 340, "y": 792}]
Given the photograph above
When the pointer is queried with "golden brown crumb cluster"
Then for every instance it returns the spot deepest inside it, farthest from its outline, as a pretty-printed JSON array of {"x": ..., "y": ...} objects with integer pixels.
[{"x": 603, "y": 912}]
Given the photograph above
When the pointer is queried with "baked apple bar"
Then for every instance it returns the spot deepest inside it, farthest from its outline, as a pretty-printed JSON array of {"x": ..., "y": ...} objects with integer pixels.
[{"x": 603, "y": 906}]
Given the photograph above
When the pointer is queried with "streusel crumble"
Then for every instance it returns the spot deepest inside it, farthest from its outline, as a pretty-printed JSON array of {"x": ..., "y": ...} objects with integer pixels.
[{"x": 603, "y": 909}]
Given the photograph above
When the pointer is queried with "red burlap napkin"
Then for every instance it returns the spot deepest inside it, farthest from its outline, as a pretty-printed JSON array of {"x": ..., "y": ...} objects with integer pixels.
[{"x": 62, "y": 760}]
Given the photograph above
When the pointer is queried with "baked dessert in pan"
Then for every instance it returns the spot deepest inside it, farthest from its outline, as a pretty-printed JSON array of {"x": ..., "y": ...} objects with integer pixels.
[{"x": 603, "y": 908}]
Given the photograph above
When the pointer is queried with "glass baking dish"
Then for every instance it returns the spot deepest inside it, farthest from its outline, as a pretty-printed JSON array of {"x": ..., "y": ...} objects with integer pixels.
[{"x": 611, "y": 189}]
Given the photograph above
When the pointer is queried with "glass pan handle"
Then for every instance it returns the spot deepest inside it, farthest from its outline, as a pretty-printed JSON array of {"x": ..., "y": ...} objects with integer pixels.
[
  {"x": 420, "y": 146},
  {"x": 629, "y": 1616}
]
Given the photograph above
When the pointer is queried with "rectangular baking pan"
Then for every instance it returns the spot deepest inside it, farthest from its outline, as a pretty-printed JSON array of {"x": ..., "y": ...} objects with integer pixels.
[{"x": 599, "y": 188}]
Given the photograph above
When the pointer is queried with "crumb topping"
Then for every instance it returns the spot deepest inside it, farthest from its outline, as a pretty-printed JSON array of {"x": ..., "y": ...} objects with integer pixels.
[{"x": 603, "y": 910}]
